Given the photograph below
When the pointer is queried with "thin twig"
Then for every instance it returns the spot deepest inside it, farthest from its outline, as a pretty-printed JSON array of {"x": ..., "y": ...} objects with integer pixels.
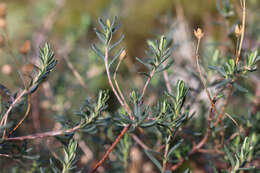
[
  {"x": 25, "y": 115},
  {"x": 167, "y": 81},
  {"x": 109, "y": 77},
  {"x": 127, "y": 109},
  {"x": 147, "y": 82},
  {"x": 243, "y": 30},
  {"x": 175, "y": 167},
  {"x": 140, "y": 142},
  {"x": 123, "y": 132},
  {"x": 76, "y": 73},
  {"x": 206, "y": 137},
  {"x": 165, "y": 159},
  {"x": 45, "y": 134},
  {"x": 224, "y": 106},
  {"x": 5, "y": 117},
  {"x": 119, "y": 90},
  {"x": 202, "y": 78}
]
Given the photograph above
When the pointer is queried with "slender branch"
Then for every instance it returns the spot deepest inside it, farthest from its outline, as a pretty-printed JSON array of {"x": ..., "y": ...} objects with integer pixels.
[
  {"x": 127, "y": 108},
  {"x": 206, "y": 137},
  {"x": 243, "y": 30},
  {"x": 220, "y": 116},
  {"x": 111, "y": 148},
  {"x": 5, "y": 117},
  {"x": 76, "y": 73},
  {"x": 197, "y": 148},
  {"x": 175, "y": 167},
  {"x": 202, "y": 78},
  {"x": 140, "y": 142},
  {"x": 5, "y": 155},
  {"x": 116, "y": 83},
  {"x": 165, "y": 159},
  {"x": 167, "y": 81},
  {"x": 25, "y": 115},
  {"x": 45, "y": 134},
  {"x": 148, "y": 81},
  {"x": 119, "y": 90},
  {"x": 109, "y": 77}
]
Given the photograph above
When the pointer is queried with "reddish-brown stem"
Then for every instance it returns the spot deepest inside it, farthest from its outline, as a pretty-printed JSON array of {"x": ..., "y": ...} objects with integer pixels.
[
  {"x": 175, "y": 167},
  {"x": 5, "y": 117},
  {"x": 127, "y": 108},
  {"x": 25, "y": 115},
  {"x": 109, "y": 78},
  {"x": 165, "y": 159},
  {"x": 111, "y": 148},
  {"x": 147, "y": 82},
  {"x": 139, "y": 142},
  {"x": 220, "y": 116},
  {"x": 206, "y": 137},
  {"x": 167, "y": 81},
  {"x": 198, "y": 147},
  {"x": 120, "y": 92}
]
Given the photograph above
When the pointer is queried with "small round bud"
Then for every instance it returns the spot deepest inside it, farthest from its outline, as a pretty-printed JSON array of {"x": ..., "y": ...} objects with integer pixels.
[
  {"x": 122, "y": 55},
  {"x": 26, "y": 47},
  {"x": 238, "y": 31},
  {"x": 198, "y": 33}
]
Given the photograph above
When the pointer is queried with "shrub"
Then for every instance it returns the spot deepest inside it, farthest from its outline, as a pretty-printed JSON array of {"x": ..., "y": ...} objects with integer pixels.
[{"x": 170, "y": 133}]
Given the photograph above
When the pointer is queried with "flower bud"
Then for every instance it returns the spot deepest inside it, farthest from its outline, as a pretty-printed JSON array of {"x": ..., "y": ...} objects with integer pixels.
[
  {"x": 238, "y": 31},
  {"x": 198, "y": 33},
  {"x": 122, "y": 55}
]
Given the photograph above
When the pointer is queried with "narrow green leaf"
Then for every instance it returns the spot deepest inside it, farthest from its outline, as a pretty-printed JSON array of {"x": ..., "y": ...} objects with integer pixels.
[
  {"x": 239, "y": 88},
  {"x": 102, "y": 24},
  {"x": 230, "y": 158},
  {"x": 144, "y": 63},
  {"x": 174, "y": 148},
  {"x": 116, "y": 56},
  {"x": 117, "y": 42},
  {"x": 97, "y": 51},
  {"x": 153, "y": 159},
  {"x": 101, "y": 36}
]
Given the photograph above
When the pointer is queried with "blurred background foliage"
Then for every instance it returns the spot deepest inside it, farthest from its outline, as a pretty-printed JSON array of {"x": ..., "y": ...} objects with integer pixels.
[
  {"x": 71, "y": 34},
  {"x": 140, "y": 20}
]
